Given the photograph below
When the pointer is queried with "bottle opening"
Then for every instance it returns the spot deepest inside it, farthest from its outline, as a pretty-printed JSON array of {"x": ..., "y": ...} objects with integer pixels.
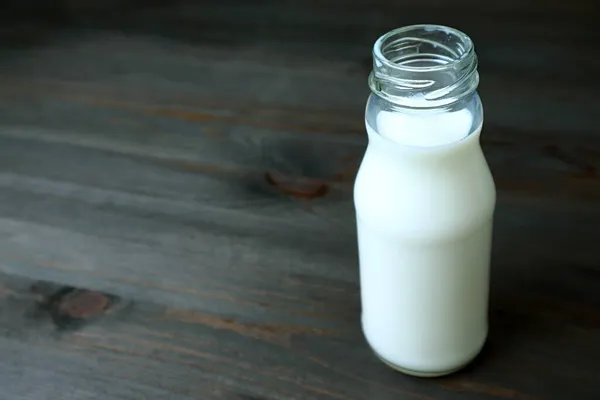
[
  {"x": 424, "y": 66},
  {"x": 423, "y": 47}
]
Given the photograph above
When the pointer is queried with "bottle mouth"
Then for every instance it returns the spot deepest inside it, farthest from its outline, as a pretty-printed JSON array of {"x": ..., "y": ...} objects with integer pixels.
[{"x": 424, "y": 66}]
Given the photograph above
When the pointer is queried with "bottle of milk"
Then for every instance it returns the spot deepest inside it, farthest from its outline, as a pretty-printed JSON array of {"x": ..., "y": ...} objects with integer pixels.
[{"x": 424, "y": 199}]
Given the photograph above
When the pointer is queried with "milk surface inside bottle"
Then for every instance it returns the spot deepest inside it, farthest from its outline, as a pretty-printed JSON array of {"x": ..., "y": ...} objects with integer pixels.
[{"x": 424, "y": 199}]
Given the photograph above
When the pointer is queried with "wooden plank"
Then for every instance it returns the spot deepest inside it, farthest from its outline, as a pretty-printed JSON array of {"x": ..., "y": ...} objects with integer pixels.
[
  {"x": 524, "y": 84},
  {"x": 259, "y": 138},
  {"x": 543, "y": 345}
]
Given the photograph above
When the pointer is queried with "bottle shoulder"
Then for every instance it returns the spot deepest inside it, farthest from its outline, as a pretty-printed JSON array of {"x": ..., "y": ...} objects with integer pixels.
[{"x": 424, "y": 198}]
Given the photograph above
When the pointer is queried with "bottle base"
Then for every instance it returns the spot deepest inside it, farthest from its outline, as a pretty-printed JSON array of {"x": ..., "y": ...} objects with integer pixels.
[{"x": 422, "y": 374}]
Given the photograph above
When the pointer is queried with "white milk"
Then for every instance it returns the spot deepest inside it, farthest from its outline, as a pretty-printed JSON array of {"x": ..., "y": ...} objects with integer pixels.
[
  {"x": 424, "y": 199},
  {"x": 424, "y": 129}
]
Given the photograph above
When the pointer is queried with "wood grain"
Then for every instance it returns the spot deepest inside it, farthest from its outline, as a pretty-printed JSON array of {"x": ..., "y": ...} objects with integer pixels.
[
  {"x": 146, "y": 350},
  {"x": 159, "y": 188},
  {"x": 198, "y": 157}
]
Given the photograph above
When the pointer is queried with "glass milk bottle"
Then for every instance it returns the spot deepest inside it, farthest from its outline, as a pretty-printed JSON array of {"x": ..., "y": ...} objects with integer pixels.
[{"x": 424, "y": 199}]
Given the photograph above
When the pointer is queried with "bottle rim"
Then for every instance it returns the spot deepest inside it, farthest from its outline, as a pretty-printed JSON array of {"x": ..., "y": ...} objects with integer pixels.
[
  {"x": 465, "y": 53},
  {"x": 424, "y": 66}
]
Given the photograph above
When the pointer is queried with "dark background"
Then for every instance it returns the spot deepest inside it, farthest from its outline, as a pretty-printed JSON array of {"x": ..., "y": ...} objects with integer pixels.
[{"x": 176, "y": 217}]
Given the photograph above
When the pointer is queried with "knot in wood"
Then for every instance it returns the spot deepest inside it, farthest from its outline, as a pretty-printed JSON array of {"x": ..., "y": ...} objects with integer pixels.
[
  {"x": 299, "y": 187},
  {"x": 83, "y": 304}
]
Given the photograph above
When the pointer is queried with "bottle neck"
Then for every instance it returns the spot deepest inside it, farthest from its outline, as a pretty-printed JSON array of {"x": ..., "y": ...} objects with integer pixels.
[{"x": 424, "y": 66}]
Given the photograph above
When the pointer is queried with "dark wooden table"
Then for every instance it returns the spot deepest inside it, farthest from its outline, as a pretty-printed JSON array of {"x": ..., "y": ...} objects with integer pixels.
[{"x": 194, "y": 162}]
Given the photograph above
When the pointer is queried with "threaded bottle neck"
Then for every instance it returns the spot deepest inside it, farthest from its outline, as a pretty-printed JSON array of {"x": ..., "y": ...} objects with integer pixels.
[{"x": 424, "y": 66}]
